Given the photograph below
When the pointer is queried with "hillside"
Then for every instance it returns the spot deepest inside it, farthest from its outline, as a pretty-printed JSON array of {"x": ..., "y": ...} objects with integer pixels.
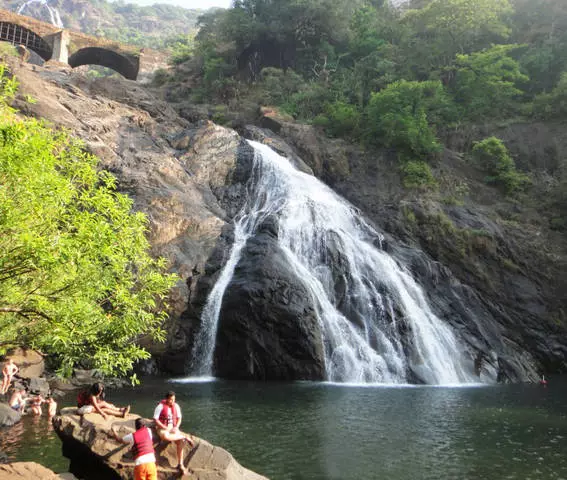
[{"x": 151, "y": 26}]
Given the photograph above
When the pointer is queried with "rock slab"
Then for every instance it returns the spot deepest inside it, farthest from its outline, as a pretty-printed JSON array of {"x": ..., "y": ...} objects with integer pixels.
[
  {"x": 29, "y": 471},
  {"x": 89, "y": 442}
]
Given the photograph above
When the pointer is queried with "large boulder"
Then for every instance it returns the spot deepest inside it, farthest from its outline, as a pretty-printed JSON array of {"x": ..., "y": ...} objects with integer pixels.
[
  {"x": 95, "y": 454},
  {"x": 30, "y": 362},
  {"x": 268, "y": 328},
  {"x": 8, "y": 416},
  {"x": 27, "y": 471}
]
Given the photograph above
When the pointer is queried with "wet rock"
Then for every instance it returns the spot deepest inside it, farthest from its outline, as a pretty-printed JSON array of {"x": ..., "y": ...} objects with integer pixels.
[
  {"x": 39, "y": 386},
  {"x": 95, "y": 454},
  {"x": 268, "y": 328},
  {"x": 8, "y": 416}
]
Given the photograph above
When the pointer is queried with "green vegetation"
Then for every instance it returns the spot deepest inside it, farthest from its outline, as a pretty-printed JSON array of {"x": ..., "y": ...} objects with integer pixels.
[
  {"x": 487, "y": 83},
  {"x": 492, "y": 155},
  {"x": 400, "y": 116},
  {"x": 76, "y": 279},
  {"x": 418, "y": 174},
  {"x": 398, "y": 78}
]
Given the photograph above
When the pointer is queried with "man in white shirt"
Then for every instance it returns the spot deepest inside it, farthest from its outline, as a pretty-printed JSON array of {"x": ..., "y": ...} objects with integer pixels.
[
  {"x": 144, "y": 454},
  {"x": 167, "y": 416}
]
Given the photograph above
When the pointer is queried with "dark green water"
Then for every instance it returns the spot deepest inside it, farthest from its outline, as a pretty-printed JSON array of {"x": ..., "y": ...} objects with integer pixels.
[{"x": 328, "y": 432}]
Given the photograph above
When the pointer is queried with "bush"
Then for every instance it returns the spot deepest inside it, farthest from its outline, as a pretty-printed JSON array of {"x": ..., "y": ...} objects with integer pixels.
[
  {"x": 493, "y": 157},
  {"x": 339, "y": 120},
  {"x": 398, "y": 117},
  {"x": 277, "y": 86},
  {"x": 418, "y": 174},
  {"x": 554, "y": 104},
  {"x": 309, "y": 102}
]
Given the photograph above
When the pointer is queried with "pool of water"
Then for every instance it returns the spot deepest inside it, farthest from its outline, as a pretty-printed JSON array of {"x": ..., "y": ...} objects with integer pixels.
[{"x": 321, "y": 431}]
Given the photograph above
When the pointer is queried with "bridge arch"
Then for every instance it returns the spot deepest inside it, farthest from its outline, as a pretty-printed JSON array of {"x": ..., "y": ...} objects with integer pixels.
[
  {"x": 18, "y": 35},
  {"x": 105, "y": 58}
]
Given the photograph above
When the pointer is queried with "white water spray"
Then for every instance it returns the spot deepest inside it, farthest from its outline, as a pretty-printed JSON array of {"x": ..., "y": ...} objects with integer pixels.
[
  {"x": 53, "y": 12},
  {"x": 377, "y": 325}
]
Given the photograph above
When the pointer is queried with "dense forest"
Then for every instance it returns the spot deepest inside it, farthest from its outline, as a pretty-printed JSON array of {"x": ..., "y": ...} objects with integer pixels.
[{"x": 394, "y": 77}]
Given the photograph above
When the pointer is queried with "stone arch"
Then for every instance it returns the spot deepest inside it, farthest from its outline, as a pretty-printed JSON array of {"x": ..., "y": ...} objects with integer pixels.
[
  {"x": 18, "y": 35},
  {"x": 104, "y": 58}
]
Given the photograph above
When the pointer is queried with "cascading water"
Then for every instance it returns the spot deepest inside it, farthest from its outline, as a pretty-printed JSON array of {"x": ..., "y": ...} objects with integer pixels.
[
  {"x": 53, "y": 12},
  {"x": 376, "y": 322}
]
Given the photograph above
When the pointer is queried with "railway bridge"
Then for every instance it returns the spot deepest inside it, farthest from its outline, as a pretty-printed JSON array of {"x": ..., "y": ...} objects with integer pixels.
[{"x": 76, "y": 49}]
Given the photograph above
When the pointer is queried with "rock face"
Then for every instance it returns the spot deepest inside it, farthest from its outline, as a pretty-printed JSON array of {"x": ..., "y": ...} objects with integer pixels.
[
  {"x": 96, "y": 455},
  {"x": 268, "y": 329},
  {"x": 177, "y": 173}
]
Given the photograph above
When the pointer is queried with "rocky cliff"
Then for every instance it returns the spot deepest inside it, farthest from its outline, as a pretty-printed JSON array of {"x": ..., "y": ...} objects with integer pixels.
[{"x": 495, "y": 289}]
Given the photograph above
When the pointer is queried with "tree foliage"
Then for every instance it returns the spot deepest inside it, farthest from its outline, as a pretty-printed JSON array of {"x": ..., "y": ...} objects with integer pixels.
[
  {"x": 401, "y": 116},
  {"x": 486, "y": 83},
  {"x": 76, "y": 279},
  {"x": 553, "y": 104},
  {"x": 493, "y": 157}
]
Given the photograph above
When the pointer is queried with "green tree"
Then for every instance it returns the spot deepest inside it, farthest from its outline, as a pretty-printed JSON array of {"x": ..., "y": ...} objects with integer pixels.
[
  {"x": 402, "y": 116},
  {"x": 443, "y": 28},
  {"x": 76, "y": 279},
  {"x": 542, "y": 26},
  {"x": 493, "y": 157},
  {"x": 486, "y": 83},
  {"x": 553, "y": 104}
]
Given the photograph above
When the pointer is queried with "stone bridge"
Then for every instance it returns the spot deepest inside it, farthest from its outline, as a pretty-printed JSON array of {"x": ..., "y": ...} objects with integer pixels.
[{"x": 76, "y": 49}]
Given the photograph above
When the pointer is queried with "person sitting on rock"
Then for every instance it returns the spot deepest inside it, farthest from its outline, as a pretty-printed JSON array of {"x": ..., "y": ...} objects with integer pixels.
[
  {"x": 9, "y": 370},
  {"x": 18, "y": 400},
  {"x": 167, "y": 417},
  {"x": 92, "y": 400},
  {"x": 51, "y": 407},
  {"x": 36, "y": 405},
  {"x": 143, "y": 448}
]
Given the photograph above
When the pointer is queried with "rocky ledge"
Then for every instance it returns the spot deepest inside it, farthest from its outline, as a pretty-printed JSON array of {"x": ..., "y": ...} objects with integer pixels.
[
  {"x": 30, "y": 471},
  {"x": 94, "y": 453}
]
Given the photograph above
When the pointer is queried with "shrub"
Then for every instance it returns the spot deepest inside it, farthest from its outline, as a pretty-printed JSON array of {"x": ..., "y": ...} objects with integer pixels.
[
  {"x": 493, "y": 157},
  {"x": 309, "y": 102},
  {"x": 340, "y": 119},
  {"x": 277, "y": 86},
  {"x": 398, "y": 117},
  {"x": 418, "y": 174},
  {"x": 554, "y": 104}
]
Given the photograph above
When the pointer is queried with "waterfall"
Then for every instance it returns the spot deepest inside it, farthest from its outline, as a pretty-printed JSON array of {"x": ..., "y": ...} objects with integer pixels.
[
  {"x": 378, "y": 326},
  {"x": 53, "y": 12}
]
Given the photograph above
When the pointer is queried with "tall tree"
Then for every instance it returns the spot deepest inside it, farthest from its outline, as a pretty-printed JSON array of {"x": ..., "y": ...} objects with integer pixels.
[
  {"x": 443, "y": 28},
  {"x": 76, "y": 279}
]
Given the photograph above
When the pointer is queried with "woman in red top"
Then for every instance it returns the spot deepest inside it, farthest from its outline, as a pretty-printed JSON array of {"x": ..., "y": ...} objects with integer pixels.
[{"x": 92, "y": 401}]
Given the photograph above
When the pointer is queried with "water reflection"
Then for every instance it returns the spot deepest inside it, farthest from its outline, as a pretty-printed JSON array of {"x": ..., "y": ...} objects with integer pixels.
[
  {"x": 32, "y": 440},
  {"x": 314, "y": 431}
]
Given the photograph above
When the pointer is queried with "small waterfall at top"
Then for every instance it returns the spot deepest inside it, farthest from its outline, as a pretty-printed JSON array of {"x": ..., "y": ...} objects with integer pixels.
[
  {"x": 381, "y": 329},
  {"x": 53, "y": 12}
]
